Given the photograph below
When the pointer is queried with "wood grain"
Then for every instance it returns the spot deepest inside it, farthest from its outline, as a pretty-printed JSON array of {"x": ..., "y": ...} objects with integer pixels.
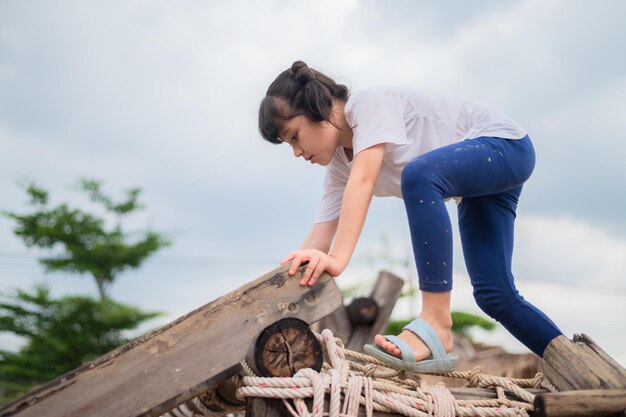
[
  {"x": 581, "y": 365},
  {"x": 597, "y": 403}
]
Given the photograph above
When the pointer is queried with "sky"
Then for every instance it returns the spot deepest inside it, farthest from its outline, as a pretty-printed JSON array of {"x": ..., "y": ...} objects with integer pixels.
[{"x": 164, "y": 96}]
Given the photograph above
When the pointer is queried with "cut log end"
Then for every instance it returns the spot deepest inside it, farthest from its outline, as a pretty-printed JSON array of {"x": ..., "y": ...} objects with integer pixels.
[
  {"x": 285, "y": 347},
  {"x": 363, "y": 310}
]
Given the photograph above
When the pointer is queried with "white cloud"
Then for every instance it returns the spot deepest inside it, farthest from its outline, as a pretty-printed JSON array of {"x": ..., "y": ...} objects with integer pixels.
[
  {"x": 565, "y": 249},
  {"x": 165, "y": 96}
]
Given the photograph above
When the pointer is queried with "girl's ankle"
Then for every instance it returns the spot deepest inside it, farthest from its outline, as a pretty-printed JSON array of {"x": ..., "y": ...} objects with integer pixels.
[{"x": 443, "y": 321}]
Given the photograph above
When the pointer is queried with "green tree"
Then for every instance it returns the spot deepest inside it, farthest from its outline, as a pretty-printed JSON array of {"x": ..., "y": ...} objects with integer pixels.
[
  {"x": 61, "y": 334},
  {"x": 87, "y": 244}
]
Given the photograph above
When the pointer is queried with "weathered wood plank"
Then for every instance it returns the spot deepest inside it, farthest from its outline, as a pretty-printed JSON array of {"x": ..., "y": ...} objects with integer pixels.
[
  {"x": 581, "y": 365},
  {"x": 597, "y": 403},
  {"x": 177, "y": 362}
]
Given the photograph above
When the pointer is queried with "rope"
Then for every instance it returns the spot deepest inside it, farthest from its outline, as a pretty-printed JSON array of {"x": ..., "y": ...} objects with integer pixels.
[{"x": 362, "y": 380}]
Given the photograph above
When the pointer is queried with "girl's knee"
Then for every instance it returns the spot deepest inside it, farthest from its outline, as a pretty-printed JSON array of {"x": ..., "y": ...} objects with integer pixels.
[
  {"x": 495, "y": 303},
  {"x": 415, "y": 175}
]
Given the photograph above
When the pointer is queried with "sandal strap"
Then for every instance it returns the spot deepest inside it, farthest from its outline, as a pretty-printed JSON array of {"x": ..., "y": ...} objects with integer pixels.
[
  {"x": 425, "y": 332},
  {"x": 407, "y": 353}
]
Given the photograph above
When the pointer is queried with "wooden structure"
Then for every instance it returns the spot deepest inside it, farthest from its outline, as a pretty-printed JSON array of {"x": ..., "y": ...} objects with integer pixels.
[
  {"x": 358, "y": 323},
  {"x": 265, "y": 321},
  {"x": 592, "y": 383},
  {"x": 580, "y": 364},
  {"x": 153, "y": 374}
]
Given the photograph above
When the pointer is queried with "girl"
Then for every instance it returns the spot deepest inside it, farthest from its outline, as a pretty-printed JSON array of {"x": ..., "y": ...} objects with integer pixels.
[{"x": 424, "y": 148}]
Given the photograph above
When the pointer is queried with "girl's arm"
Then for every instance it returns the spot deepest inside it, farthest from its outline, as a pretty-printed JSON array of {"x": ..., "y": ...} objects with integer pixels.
[
  {"x": 356, "y": 200},
  {"x": 321, "y": 236}
]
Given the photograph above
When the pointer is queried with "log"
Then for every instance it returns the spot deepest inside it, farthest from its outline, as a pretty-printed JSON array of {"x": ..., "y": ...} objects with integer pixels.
[
  {"x": 220, "y": 402},
  {"x": 581, "y": 365},
  {"x": 338, "y": 322},
  {"x": 385, "y": 293},
  {"x": 362, "y": 310},
  {"x": 597, "y": 403},
  {"x": 284, "y": 348},
  {"x": 162, "y": 369},
  {"x": 265, "y": 407},
  {"x": 354, "y": 335},
  {"x": 226, "y": 392}
]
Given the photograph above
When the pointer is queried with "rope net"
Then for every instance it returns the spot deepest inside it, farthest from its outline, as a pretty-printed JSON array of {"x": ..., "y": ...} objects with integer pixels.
[{"x": 351, "y": 380}]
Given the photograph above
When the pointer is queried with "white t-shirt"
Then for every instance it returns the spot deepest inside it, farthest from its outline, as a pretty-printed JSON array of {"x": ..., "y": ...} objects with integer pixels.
[{"x": 410, "y": 122}]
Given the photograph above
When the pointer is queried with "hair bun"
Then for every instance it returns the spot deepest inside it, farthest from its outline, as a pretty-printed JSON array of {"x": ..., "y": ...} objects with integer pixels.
[{"x": 302, "y": 73}]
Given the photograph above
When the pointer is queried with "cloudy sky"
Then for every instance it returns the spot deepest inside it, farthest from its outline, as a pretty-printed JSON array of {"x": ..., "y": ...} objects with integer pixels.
[{"x": 163, "y": 95}]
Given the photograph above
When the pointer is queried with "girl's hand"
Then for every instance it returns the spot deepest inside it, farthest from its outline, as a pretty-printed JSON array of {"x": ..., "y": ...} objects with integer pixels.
[{"x": 318, "y": 263}]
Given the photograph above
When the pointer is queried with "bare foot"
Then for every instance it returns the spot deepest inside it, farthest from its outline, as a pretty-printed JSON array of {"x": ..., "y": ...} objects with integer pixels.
[{"x": 444, "y": 332}]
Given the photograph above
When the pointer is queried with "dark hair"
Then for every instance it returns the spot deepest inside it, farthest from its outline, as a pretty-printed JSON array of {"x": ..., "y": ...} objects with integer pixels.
[{"x": 300, "y": 90}]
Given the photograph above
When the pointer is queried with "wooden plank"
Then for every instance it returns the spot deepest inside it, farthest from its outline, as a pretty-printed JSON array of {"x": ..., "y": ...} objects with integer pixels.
[
  {"x": 597, "y": 403},
  {"x": 179, "y": 361},
  {"x": 581, "y": 365}
]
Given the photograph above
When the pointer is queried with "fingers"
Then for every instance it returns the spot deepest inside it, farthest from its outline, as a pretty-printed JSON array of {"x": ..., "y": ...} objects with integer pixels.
[
  {"x": 296, "y": 261},
  {"x": 297, "y": 258},
  {"x": 318, "y": 263},
  {"x": 309, "y": 271},
  {"x": 319, "y": 270}
]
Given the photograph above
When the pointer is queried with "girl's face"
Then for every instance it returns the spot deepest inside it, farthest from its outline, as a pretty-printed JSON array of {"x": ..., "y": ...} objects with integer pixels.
[{"x": 315, "y": 142}]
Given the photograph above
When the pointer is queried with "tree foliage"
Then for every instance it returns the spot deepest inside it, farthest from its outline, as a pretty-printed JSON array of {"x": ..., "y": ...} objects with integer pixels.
[
  {"x": 61, "y": 335},
  {"x": 87, "y": 244}
]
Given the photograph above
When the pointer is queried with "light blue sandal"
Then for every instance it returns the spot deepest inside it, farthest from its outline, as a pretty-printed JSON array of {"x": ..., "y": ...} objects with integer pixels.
[{"x": 439, "y": 361}]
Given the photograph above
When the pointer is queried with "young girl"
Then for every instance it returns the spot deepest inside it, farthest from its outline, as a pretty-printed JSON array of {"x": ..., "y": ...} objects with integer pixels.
[{"x": 424, "y": 148}]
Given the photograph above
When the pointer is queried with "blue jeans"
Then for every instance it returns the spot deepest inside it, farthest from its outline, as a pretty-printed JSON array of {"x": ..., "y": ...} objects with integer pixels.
[{"x": 488, "y": 173}]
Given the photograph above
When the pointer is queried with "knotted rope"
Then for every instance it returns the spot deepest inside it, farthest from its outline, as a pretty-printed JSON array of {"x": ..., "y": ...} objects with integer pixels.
[{"x": 362, "y": 380}]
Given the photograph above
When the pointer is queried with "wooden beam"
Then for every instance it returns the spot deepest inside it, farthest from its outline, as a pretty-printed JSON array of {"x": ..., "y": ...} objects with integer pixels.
[
  {"x": 581, "y": 365},
  {"x": 597, "y": 403},
  {"x": 153, "y": 374}
]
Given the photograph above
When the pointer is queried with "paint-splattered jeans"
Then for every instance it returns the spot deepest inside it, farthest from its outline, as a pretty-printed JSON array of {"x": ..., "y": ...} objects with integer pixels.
[{"x": 488, "y": 174}]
